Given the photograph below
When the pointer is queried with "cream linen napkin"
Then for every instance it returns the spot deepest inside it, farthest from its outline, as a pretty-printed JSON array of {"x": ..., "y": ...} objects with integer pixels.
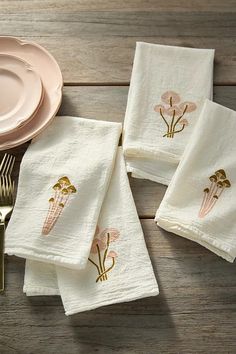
[
  {"x": 119, "y": 268},
  {"x": 199, "y": 203},
  {"x": 63, "y": 180},
  {"x": 167, "y": 90}
]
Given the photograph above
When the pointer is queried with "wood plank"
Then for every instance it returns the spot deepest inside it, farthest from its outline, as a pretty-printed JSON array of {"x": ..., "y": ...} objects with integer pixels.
[
  {"x": 49, "y": 6},
  {"x": 98, "y": 46},
  {"x": 109, "y": 103},
  {"x": 194, "y": 311}
]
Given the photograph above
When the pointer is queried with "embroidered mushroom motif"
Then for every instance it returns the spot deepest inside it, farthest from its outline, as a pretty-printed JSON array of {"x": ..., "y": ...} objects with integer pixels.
[
  {"x": 172, "y": 108},
  {"x": 219, "y": 183},
  {"x": 105, "y": 261},
  {"x": 62, "y": 192}
]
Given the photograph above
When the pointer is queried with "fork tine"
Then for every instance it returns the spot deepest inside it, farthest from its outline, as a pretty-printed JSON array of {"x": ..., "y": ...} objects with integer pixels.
[
  {"x": 1, "y": 190},
  {"x": 3, "y": 185},
  {"x": 7, "y": 188},
  {"x": 3, "y": 163},
  {"x": 10, "y": 190},
  {"x": 9, "y": 165},
  {"x": 12, "y": 165}
]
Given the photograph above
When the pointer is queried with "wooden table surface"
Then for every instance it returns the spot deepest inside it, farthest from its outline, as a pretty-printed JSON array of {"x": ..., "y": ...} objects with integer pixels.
[{"x": 93, "y": 42}]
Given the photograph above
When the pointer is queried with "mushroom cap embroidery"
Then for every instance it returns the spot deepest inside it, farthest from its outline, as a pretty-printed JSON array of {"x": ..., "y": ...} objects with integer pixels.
[
  {"x": 172, "y": 111},
  {"x": 219, "y": 183}
]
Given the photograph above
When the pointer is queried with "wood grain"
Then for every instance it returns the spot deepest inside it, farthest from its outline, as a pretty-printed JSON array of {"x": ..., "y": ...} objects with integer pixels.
[
  {"x": 63, "y": 6},
  {"x": 98, "y": 46},
  {"x": 194, "y": 311}
]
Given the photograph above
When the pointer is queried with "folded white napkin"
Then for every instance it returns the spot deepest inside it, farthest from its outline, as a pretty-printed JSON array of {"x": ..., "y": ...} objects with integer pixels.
[
  {"x": 63, "y": 180},
  {"x": 119, "y": 268},
  {"x": 40, "y": 279},
  {"x": 167, "y": 90},
  {"x": 199, "y": 203}
]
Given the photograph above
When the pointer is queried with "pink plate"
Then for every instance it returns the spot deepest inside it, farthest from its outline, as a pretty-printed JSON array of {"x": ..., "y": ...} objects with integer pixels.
[
  {"x": 21, "y": 92},
  {"x": 45, "y": 65}
]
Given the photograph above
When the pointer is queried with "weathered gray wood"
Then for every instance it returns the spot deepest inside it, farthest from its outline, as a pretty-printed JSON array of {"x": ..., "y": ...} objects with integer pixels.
[
  {"x": 194, "y": 313},
  {"x": 109, "y": 103},
  {"x": 98, "y": 45},
  {"x": 62, "y": 6}
]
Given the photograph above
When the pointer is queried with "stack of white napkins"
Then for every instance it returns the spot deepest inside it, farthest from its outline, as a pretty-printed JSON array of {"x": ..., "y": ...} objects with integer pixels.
[
  {"x": 169, "y": 119},
  {"x": 119, "y": 268},
  {"x": 75, "y": 220},
  {"x": 167, "y": 91},
  {"x": 199, "y": 203}
]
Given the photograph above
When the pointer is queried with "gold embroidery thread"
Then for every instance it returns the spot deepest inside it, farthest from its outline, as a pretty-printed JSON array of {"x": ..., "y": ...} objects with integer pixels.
[
  {"x": 172, "y": 111},
  {"x": 218, "y": 183},
  {"x": 62, "y": 192},
  {"x": 106, "y": 259}
]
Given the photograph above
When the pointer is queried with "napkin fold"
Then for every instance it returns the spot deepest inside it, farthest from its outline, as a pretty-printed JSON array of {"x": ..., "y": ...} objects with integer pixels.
[
  {"x": 63, "y": 180},
  {"x": 167, "y": 90},
  {"x": 119, "y": 268},
  {"x": 199, "y": 203}
]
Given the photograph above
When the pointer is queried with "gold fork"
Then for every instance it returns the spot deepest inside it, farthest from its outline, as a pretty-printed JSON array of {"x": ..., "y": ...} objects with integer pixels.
[
  {"x": 7, "y": 188},
  {"x": 6, "y": 205}
]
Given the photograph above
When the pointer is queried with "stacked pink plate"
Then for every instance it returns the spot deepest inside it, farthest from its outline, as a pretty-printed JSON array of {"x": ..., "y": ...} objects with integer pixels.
[{"x": 31, "y": 90}]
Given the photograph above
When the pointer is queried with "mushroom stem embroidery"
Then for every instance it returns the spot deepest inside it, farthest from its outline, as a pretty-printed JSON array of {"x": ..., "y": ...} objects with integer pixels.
[
  {"x": 62, "y": 192},
  {"x": 106, "y": 259},
  {"x": 212, "y": 193},
  {"x": 173, "y": 108}
]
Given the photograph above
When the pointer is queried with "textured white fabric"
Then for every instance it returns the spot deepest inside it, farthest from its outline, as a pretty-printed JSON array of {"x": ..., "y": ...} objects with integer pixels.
[
  {"x": 199, "y": 203},
  {"x": 131, "y": 277},
  {"x": 82, "y": 150},
  {"x": 40, "y": 279},
  {"x": 163, "y": 76}
]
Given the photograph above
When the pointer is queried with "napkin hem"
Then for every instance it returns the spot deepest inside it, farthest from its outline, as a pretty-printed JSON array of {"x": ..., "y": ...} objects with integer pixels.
[
  {"x": 115, "y": 300},
  {"x": 52, "y": 259},
  {"x": 137, "y": 173},
  {"x": 31, "y": 290},
  {"x": 151, "y": 152},
  {"x": 193, "y": 233}
]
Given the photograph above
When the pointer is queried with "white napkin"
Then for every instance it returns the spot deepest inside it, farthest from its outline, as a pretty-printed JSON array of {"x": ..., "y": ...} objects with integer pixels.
[
  {"x": 40, "y": 279},
  {"x": 129, "y": 274},
  {"x": 63, "y": 180},
  {"x": 167, "y": 83},
  {"x": 199, "y": 203}
]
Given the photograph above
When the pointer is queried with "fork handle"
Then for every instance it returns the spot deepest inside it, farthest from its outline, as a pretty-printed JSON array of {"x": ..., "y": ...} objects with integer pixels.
[{"x": 2, "y": 233}]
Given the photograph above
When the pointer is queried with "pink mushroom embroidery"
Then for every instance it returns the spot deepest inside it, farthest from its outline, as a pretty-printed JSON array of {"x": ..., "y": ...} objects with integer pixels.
[
  {"x": 172, "y": 112},
  {"x": 105, "y": 259}
]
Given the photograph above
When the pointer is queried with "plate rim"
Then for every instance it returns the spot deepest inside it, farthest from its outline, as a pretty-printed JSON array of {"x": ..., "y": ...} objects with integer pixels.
[
  {"x": 22, "y": 42},
  {"x": 21, "y": 122}
]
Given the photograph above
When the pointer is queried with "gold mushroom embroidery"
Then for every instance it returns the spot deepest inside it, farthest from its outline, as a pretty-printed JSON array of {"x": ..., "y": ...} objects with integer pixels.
[
  {"x": 105, "y": 258},
  {"x": 219, "y": 183},
  {"x": 172, "y": 111},
  {"x": 62, "y": 192}
]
